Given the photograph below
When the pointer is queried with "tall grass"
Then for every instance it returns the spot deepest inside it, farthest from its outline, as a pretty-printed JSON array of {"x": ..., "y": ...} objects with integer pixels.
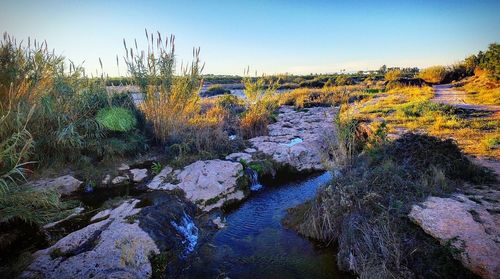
[
  {"x": 262, "y": 101},
  {"x": 172, "y": 104}
]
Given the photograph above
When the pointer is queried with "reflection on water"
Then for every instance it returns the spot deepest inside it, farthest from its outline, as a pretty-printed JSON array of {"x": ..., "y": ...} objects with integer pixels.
[{"x": 254, "y": 244}]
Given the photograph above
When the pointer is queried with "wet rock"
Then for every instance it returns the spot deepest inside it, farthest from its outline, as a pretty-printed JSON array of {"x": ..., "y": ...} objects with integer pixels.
[
  {"x": 209, "y": 184},
  {"x": 468, "y": 226},
  {"x": 119, "y": 180},
  {"x": 298, "y": 138},
  {"x": 219, "y": 223},
  {"x": 123, "y": 167},
  {"x": 75, "y": 213},
  {"x": 115, "y": 247},
  {"x": 138, "y": 175},
  {"x": 65, "y": 185},
  {"x": 106, "y": 180},
  {"x": 237, "y": 157}
]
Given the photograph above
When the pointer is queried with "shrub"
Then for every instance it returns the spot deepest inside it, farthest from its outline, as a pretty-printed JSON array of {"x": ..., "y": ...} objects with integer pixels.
[
  {"x": 215, "y": 90},
  {"x": 490, "y": 61},
  {"x": 262, "y": 101},
  {"x": 366, "y": 208},
  {"x": 344, "y": 80},
  {"x": 434, "y": 74},
  {"x": 393, "y": 74},
  {"x": 116, "y": 119}
]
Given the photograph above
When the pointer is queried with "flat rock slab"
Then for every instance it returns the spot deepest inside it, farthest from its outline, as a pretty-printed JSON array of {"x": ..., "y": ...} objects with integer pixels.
[
  {"x": 65, "y": 185},
  {"x": 115, "y": 247},
  {"x": 209, "y": 184},
  {"x": 468, "y": 226},
  {"x": 299, "y": 138}
]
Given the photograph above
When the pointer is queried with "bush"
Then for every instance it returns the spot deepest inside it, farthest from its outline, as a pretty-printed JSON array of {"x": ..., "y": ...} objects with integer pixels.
[
  {"x": 393, "y": 75},
  {"x": 365, "y": 209},
  {"x": 116, "y": 119},
  {"x": 262, "y": 101},
  {"x": 215, "y": 90},
  {"x": 490, "y": 61},
  {"x": 433, "y": 75}
]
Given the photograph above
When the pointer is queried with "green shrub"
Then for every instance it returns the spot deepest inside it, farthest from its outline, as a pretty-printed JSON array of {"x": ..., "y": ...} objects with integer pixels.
[
  {"x": 217, "y": 89},
  {"x": 116, "y": 119}
]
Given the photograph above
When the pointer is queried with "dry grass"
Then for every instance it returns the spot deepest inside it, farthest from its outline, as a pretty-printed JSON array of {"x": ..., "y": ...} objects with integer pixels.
[
  {"x": 326, "y": 96},
  {"x": 410, "y": 108},
  {"x": 482, "y": 90}
]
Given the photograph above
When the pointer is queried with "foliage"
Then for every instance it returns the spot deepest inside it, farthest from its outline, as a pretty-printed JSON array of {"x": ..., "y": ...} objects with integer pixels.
[
  {"x": 156, "y": 168},
  {"x": 116, "y": 119},
  {"x": 365, "y": 209},
  {"x": 433, "y": 75},
  {"x": 262, "y": 101},
  {"x": 490, "y": 61},
  {"x": 217, "y": 89},
  {"x": 393, "y": 74}
]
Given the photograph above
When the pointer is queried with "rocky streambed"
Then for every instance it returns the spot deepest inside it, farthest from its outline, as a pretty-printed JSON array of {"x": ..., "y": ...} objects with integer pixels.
[{"x": 176, "y": 214}]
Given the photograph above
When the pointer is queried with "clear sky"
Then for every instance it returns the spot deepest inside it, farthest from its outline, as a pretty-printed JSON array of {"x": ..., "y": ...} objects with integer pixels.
[{"x": 298, "y": 37}]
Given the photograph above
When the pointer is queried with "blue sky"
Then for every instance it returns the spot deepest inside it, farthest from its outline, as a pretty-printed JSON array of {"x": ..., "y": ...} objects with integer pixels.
[{"x": 269, "y": 36}]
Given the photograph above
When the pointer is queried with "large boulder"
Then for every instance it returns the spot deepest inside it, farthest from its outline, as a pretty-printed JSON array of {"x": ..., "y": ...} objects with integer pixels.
[
  {"x": 115, "y": 247},
  {"x": 299, "y": 138},
  {"x": 209, "y": 184},
  {"x": 466, "y": 225},
  {"x": 64, "y": 185}
]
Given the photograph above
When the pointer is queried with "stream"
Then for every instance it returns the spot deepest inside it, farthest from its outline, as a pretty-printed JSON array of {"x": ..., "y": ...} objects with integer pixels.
[{"x": 254, "y": 243}]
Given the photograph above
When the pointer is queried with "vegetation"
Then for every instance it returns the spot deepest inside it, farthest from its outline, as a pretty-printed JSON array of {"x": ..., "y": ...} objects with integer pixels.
[
  {"x": 365, "y": 209},
  {"x": 434, "y": 75},
  {"x": 393, "y": 75},
  {"x": 216, "y": 89},
  {"x": 262, "y": 101}
]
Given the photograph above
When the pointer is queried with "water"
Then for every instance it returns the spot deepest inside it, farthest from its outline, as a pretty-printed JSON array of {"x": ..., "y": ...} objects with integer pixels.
[
  {"x": 189, "y": 231},
  {"x": 254, "y": 243},
  {"x": 254, "y": 180},
  {"x": 294, "y": 141}
]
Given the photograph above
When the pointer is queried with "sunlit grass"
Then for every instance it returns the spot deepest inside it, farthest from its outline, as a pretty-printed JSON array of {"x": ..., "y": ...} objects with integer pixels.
[{"x": 410, "y": 108}]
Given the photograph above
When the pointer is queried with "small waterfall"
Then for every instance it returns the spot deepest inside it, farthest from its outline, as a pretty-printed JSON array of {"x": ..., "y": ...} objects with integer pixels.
[
  {"x": 189, "y": 231},
  {"x": 254, "y": 180}
]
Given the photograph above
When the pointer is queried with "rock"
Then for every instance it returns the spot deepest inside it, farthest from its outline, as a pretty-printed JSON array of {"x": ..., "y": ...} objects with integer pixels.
[
  {"x": 139, "y": 175},
  {"x": 250, "y": 150},
  {"x": 467, "y": 226},
  {"x": 160, "y": 178},
  {"x": 101, "y": 215},
  {"x": 106, "y": 179},
  {"x": 123, "y": 167},
  {"x": 219, "y": 223},
  {"x": 209, "y": 184},
  {"x": 65, "y": 185},
  {"x": 237, "y": 157},
  {"x": 119, "y": 180},
  {"x": 299, "y": 138},
  {"x": 75, "y": 213},
  {"x": 116, "y": 247}
]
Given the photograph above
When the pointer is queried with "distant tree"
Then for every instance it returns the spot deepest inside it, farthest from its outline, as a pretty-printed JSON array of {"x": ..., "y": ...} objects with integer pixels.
[
  {"x": 490, "y": 61},
  {"x": 382, "y": 69}
]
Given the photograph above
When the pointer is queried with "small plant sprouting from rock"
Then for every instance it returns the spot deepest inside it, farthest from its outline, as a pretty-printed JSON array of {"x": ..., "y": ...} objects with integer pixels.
[{"x": 156, "y": 168}]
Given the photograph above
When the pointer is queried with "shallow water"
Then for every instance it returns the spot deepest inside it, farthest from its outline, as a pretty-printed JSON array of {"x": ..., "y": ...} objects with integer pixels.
[{"x": 254, "y": 243}]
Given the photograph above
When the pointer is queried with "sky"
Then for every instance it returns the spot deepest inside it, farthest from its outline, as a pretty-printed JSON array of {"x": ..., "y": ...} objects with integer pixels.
[{"x": 295, "y": 37}]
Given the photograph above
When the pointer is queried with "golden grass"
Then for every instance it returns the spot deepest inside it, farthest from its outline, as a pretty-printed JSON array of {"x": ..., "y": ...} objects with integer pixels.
[
  {"x": 482, "y": 91},
  {"x": 410, "y": 109}
]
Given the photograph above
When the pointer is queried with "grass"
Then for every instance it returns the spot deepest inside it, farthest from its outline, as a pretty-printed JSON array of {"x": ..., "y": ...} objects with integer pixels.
[
  {"x": 482, "y": 90},
  {"x": 365, "y": 209},
  {"x": 411, "y": 109}
]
